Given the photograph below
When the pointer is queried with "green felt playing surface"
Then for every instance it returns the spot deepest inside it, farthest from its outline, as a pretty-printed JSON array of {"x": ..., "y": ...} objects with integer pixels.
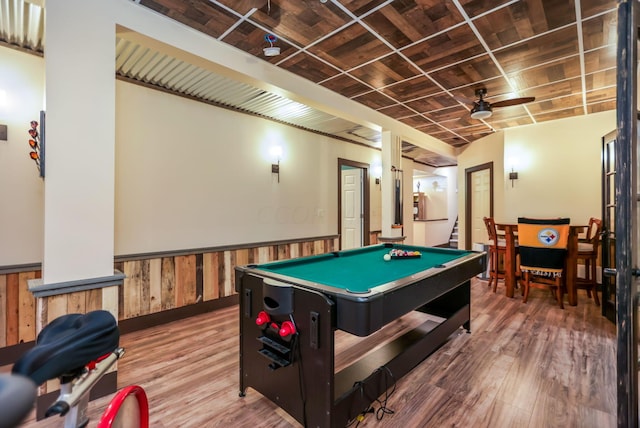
[{"x": 362, "y": 269}]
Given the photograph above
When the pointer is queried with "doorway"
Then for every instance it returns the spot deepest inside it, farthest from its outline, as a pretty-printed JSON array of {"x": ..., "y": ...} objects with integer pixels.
[
  {"x": 478, "y": 202},
  {"x": 353, "y": 204},
  {"x": 608, "y": 245}
]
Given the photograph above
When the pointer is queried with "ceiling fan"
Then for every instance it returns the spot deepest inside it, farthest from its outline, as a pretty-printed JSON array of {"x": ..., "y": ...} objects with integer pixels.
[{"x": 483, "y": 109}]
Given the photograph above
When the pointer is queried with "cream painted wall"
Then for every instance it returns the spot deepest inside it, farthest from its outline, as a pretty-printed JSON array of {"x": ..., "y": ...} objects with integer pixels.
[
  {"x": 21, "y": 188},
  {"x": 80, "y": 132},
  {"x": 228, "y": 197},
  {"x": 190, "y": 175},
  {"x": 559, "y": 168},
  {"x": 558, "y": 165},
  {"x": 432, "y": 233},
  {"x": 375, "y": 195},
  {"x": 484, "y": 150}
]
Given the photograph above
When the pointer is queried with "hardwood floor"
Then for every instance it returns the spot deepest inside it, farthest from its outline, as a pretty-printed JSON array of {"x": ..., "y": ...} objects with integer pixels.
[{"x": 523, "y": 365}]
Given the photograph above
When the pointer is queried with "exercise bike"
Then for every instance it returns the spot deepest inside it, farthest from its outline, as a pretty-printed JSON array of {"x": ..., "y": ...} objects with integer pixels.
[{"x": 77, "y": 349}]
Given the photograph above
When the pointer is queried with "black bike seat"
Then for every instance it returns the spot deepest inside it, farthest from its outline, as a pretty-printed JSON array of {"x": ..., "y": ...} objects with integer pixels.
[
  {"x": 17, "y": 397},
  {"x": 67, "y": 344}
]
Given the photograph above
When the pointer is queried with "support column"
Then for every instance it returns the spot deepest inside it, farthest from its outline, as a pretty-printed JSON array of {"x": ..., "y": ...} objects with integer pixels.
[
  {"x": 391, "y": 173},
  {"x": 79, "y": 137}
]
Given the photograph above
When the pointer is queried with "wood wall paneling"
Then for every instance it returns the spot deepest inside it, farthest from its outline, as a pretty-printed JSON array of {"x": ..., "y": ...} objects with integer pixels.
[
  {"x": 185, "y": 280},
  {"x": 284, "y": 252},
  {"x": 150, "y": 286},
  {"x": 199, "y": 278},
  {"x": 27, "y": 309},
  {"x": 155, "y": 285},
  {"x": 265, "y": 255},
  {"x": 168, "y": 283},
  {"x": 294, "y": 250},
  {"x": 76, "y": 302},
  {"x": 307, "y": 249},
  {"x": 229, "y": 286},
  {"x": 131, "y": 291},
  {"x": 13, "y": 316},
  {"x": 241, "y": 259},
  {"x": 221, "y": 272},
  {"x": 93, "y": 300},
  {"x": 210, "y": 278},
  {"x": 145, "y": 287},
  {"x": 110, "y": 299}
]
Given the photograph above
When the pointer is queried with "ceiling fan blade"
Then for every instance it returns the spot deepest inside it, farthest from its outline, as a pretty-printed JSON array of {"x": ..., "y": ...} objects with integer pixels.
[
  {"x": 463, "y": 100},
  {"x": 513, "y": 102}
]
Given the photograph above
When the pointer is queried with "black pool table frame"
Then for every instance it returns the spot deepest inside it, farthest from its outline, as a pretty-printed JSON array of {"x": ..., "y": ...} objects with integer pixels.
[{"x": 297, "y": 373}]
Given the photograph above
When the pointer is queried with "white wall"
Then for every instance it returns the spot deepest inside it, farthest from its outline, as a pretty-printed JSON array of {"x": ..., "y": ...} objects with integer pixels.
[
  {"x": 482, "y": 151},
  {"x": 190, "y": 175},
  {"x": 438, "y": 232},
  {"x": 558, "y": 169},
  {"x": 80, "y": 133},
  {"x": 21, "y": 188}
]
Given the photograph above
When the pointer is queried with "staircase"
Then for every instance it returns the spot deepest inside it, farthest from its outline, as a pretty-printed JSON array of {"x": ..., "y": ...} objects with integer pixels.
[{"x": 453, "y": 239}]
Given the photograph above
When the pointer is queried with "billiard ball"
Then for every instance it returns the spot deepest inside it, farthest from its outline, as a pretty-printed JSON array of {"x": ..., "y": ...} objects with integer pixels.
[{"x": 386, "y": 257}]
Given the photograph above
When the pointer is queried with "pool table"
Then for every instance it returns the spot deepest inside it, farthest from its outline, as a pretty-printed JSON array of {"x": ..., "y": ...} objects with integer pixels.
[{"x": 290, "y": 309}]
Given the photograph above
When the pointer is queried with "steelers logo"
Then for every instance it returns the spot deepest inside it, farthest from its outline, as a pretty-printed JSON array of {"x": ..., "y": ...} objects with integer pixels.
[{"x": 548, "y": 237}]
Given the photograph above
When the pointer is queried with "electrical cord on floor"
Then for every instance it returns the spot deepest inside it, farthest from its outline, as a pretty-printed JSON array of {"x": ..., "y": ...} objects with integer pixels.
[
  {"x": 382, "y": 409},
  {"x": 362, "y": 414}
]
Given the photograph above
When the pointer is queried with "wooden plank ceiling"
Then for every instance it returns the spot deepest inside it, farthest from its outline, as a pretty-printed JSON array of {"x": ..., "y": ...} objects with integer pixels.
[{"x": 419, "y": 60}]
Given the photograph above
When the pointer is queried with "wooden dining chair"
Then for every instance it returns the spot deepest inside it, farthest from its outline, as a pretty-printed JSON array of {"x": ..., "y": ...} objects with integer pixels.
[
  {"x": 543, "y": 247},
  {"x": 588, "y": 252},
  {"x": 497, "y": 252}
]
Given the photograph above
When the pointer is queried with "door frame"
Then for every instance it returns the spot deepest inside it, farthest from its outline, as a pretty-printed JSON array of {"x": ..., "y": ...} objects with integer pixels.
[
  {"x": 467, "y": 195},
  {"x": 626, "y": 216},
  {"x": 607, "y": 243},
  {"x": 365, "y": 198}
]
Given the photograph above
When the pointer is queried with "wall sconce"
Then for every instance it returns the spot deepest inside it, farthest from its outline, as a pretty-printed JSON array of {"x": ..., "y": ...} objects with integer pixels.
[
  {"x": 276, "y": 154},
  {"x": 513, "y": 176},
  {"x": 376, "y": 170}
]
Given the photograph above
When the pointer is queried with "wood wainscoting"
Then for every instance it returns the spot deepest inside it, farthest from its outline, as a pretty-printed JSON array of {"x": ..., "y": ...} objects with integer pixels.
[{"x": 158, "y": 288}]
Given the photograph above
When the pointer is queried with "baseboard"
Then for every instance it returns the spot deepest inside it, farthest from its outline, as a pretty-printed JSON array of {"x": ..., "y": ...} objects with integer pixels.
[{"x": 10, "y": 354}]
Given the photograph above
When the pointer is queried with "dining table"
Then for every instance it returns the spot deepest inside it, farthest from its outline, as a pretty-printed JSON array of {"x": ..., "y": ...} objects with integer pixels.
[{"x": 510, "y": 231}]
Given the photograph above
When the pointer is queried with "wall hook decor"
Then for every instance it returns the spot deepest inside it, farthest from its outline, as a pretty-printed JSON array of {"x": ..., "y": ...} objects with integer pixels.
[{"x": 36, "y": 143}]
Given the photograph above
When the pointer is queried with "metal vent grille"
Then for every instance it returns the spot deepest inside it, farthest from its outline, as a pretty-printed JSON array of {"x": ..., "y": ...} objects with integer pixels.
[
  {"x": 146, "y": 65},
  {"x": 22, "y": 25}
]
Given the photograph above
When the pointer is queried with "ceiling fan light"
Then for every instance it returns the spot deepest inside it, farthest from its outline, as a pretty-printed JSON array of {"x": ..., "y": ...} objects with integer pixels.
[{"x": 480, "y": 114}]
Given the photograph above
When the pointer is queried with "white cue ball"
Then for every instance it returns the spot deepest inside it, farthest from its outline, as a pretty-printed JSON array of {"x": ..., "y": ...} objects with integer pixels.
[{"x": 386, "y": 257}]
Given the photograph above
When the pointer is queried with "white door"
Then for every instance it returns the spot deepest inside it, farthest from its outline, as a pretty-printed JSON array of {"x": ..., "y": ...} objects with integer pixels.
[
  {"x": 480, "y": 204},
  {"x": 352, "y": 216}
]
